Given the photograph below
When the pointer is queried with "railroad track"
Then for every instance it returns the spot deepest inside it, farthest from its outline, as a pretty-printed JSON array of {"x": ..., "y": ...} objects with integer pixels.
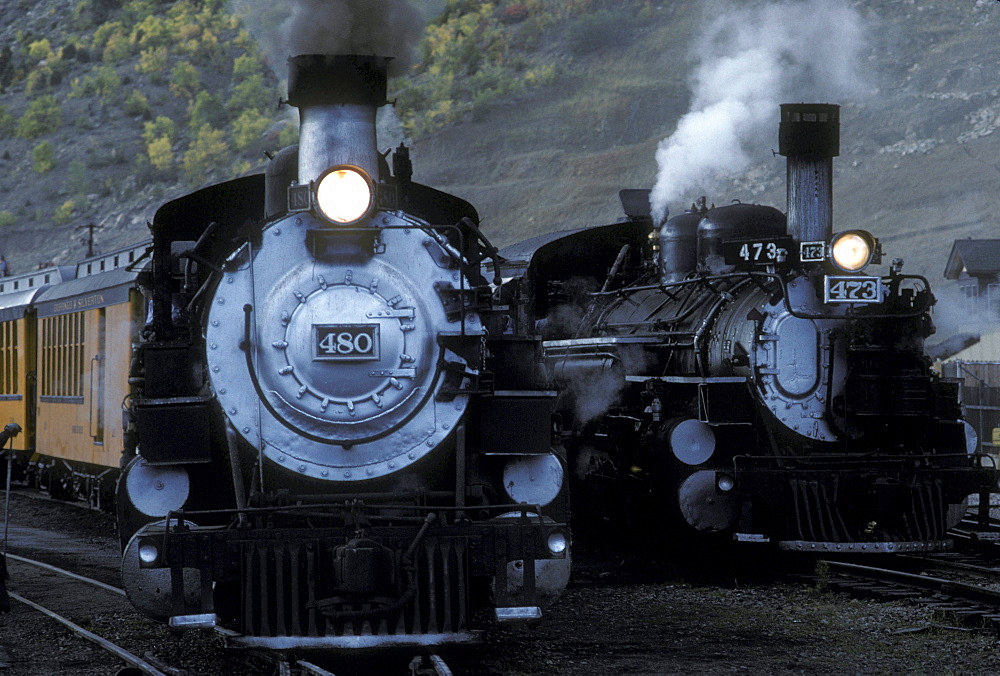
[
  {"x": 971, "y": 605},
  {"x": 54, "y": 585},
  {"x": 274, "y": 663},
  {"x": 970, "y": 535},
  {"x": 964, "y": 583}
]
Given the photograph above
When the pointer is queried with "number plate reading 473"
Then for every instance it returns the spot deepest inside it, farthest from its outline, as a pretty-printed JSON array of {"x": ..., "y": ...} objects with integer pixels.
[
  {"x": 345, "y": 342},
  {"x": 747, "y": 252},
  {"x": 853, "y": 289}
]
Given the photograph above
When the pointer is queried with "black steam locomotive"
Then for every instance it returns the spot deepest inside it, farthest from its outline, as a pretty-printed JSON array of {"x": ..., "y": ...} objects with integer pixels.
[
  {"x": 320, "y": 404},
  {"x": 737, "y": 375}
]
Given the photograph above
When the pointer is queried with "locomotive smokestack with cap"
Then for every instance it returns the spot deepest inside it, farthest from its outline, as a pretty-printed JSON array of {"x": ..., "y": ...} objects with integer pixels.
[
  {"x": 337, "y": 97},
  {"x": 809, "y": 137}
]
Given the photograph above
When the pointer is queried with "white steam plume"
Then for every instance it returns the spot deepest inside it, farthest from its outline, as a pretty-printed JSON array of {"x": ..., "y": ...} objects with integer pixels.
[
  {"x": 369, "y": 27},
  {"x": 751, "y": 59}
]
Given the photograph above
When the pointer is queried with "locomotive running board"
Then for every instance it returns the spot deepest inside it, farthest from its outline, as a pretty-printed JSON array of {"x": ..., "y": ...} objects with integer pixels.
[{"x": 867, "y": 547}]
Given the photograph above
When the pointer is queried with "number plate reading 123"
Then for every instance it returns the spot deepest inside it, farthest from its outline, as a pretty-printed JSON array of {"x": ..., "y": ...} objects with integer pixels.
[
  {"x": 345, "y": 342},
  {"x": 852, "y": 289}
]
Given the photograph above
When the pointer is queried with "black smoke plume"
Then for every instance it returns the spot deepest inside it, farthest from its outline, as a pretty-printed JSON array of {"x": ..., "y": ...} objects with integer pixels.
[{"x": 370, "y": 27}]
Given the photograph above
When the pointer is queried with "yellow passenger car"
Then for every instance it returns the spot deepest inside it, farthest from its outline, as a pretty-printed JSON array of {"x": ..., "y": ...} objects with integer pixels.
[
  {"x": 18, "y": 373},
  {"x": 84, "y": 331}
]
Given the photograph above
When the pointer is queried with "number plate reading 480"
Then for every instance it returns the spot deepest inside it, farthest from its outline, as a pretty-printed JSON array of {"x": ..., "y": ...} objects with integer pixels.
[
  {"x": 853, "y": 290},
  {"x": 345, "y": 342}
]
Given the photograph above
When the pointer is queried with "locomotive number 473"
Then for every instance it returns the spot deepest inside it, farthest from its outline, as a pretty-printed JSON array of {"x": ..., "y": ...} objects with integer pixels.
[
  {"x": 346, "y": 341},
  {"x": 756, "y": 252},
  {"x": 852, "y": 289}
]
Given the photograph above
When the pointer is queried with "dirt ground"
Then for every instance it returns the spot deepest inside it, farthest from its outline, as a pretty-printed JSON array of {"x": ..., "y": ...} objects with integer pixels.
[{"x": 623, "y": 613}]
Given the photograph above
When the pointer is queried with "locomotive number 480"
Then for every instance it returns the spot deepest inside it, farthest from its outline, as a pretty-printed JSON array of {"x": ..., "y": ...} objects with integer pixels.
[
  {"x": 853, "y": 289},
  {"x": 346, "y": 341}
]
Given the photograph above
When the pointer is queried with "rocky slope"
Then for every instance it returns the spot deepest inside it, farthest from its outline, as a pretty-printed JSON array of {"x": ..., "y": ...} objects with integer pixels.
[{"x": 917, "y": 163}]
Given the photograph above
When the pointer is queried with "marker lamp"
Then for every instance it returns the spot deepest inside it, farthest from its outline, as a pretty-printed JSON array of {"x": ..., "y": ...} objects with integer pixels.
[
  {"x": 853, "y": 250},
  {"x": 149, "y": 553},
  {"x": 557, "y": 542},
  {"x": 345, "y": 194}
]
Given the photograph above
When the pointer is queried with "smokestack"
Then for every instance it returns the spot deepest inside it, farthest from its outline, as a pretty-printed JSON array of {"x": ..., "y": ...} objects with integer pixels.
[
  {"x": 809, "y": 136},
  {"x": 337, "y": 97}
]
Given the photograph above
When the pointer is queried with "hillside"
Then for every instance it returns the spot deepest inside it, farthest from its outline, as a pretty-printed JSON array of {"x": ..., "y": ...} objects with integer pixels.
[
  {"x": 917, "y": 163},
  {"x": 918, "y": 149},
  {"x": 108, "y": 108}
]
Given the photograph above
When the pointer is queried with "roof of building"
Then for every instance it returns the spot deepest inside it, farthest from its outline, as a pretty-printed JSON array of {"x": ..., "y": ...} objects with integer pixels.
[{"x": 976, "y": 256}]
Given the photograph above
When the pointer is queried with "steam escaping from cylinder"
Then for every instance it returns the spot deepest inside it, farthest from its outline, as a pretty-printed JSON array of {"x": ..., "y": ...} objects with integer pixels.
[
  {"x": 385, "y": 27},
  {"x": 750, "y": 60}
]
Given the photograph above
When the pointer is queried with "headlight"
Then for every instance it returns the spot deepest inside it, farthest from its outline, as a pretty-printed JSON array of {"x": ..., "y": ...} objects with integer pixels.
[
  {"x": 852, "y": 250},
  {"x": 344, "y": 194},
  {"x": 725, "y": 483}
]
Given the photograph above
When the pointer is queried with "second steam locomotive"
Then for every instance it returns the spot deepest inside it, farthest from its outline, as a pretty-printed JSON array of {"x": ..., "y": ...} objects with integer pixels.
[{"x": 739, "y": 375}]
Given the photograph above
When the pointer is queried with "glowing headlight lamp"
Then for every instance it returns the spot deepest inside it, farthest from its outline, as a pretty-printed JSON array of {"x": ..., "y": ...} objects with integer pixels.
[
  {"x": 345, "y": 194},
  {"x": 853, "y": 250}
]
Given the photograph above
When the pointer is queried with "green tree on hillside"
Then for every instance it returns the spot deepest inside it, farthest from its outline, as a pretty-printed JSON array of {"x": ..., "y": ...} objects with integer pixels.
[
  {"x": 206, "y": 152},
  {"x": 43, "y": 116},
  {"x": 43, "y": 157}
]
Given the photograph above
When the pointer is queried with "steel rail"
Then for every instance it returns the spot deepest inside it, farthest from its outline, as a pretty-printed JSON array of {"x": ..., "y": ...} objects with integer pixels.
[
  {"x": 61, "y": 571},
  {"x": 960, "y": 590},
  {"x": 112, "y": 648}
]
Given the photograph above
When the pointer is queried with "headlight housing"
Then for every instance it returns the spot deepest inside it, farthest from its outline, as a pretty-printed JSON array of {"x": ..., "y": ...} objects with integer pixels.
[
  {"x": 853, "y": 250},
  {"x": 345, "y": 194}
]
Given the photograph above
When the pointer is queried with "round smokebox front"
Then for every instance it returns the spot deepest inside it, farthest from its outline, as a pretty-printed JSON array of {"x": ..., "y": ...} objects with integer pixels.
[{"x": 345, "y": 354}]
